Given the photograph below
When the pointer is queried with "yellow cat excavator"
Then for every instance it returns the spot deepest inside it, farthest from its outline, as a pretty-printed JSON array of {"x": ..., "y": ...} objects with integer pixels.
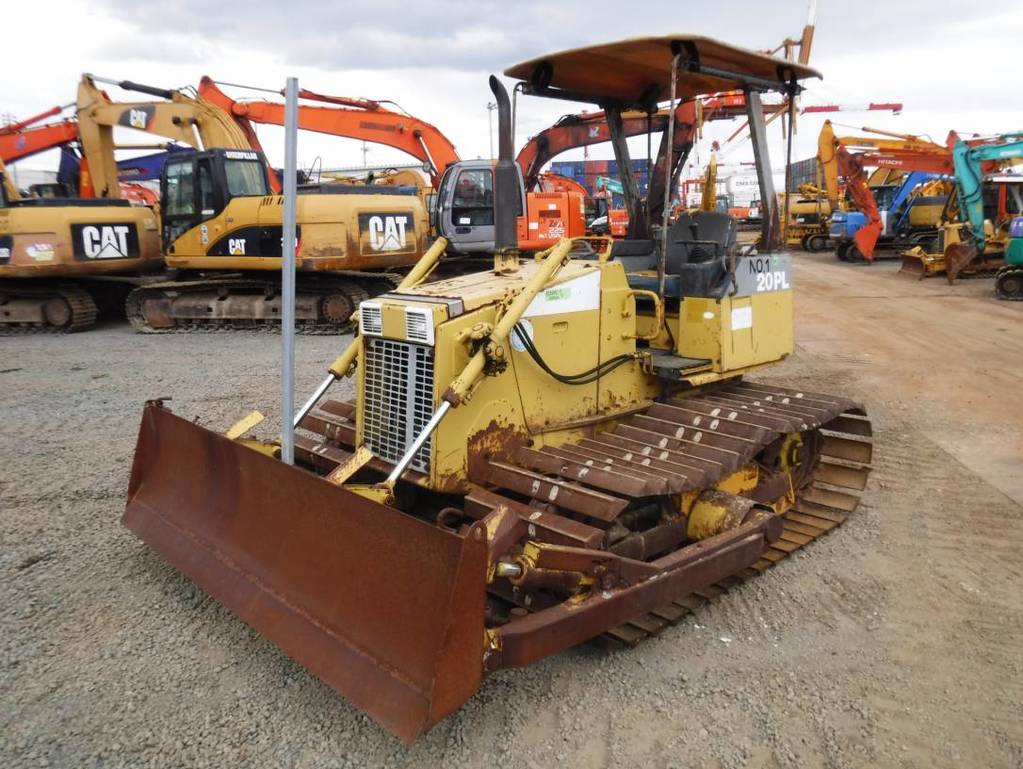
[
  {"x": 62, "y": 258},
  {"x": 560, "y": 447},
  {"x": 221, "y": 223}
]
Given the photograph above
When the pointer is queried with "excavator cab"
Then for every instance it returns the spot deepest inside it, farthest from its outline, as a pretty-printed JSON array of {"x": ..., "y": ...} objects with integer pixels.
[
  {"x": 538, "y": 453},
  {"x": 196, "y": 187},
  {"x": 464, "y": 206}
]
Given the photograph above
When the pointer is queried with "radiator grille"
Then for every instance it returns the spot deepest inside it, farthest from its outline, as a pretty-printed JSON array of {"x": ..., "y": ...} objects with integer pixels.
[
  {"x": 418, "y": 325},
  {"x": 372, "y": 318},
  {"x": 398, "y": 398}
]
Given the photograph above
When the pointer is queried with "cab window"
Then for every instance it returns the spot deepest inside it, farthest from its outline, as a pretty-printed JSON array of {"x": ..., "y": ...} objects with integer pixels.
[
  {"x": 180, "y": 193},
  {"x": 207, "y": 200},
  {"x": 473, "y": 203},
  {"x": 245, "y": 177}
]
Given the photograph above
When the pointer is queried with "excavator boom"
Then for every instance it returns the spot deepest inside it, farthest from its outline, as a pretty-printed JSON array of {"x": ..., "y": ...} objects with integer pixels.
[
  {"x": 838, "y": 156},
  {"x": 352, "y": 118},
  {"x": 179, "y": 117},
  {"x": 31, "y": 140}
]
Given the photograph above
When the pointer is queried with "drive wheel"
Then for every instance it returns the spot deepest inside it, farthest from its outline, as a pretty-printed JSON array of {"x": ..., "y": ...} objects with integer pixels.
[
  {"x": 57, "y": 312},
  {"x": 337, "y": 309},
  {"x": 1009, "y": 285},
  {"x": 816, "y": 243},
  {"x": 841, "y": 251}
]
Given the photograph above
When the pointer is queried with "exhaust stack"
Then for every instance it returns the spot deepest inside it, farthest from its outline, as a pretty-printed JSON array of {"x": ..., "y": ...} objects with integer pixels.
[{"x": 506, "y": 186}]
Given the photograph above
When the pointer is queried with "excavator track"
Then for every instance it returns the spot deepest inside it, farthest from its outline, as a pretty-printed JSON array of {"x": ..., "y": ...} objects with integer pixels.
[
  {"x": 42, "y": 309},
  {"x": 323, "y": 305},
  {"x": 576, "y": 493}
]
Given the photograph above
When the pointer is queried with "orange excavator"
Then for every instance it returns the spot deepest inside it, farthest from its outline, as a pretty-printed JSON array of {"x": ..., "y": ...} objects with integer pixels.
[
  {"x": 25, "y": 138},
  {"x": 588, "y": 128},
  {"x": 909, "y": 216},
  {"x": 352, "y": 118},
  {"x": 463, "y": 208}
]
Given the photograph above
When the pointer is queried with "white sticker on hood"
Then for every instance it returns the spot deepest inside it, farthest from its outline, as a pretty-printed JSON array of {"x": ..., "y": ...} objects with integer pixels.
[{"x": 575, "y": 295}]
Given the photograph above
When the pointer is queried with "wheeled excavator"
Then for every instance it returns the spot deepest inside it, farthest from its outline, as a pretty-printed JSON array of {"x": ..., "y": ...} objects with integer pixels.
[
  {"x": 562, "y": 446},
  {"x": 221, "y": 224},
  {"x": 886, "y": 216}
]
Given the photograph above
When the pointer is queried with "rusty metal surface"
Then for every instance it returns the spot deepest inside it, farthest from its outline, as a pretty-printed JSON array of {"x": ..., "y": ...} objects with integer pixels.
[
  {"x": 593, "y": 504},
  {"x": 385, "y": 608},
  {"x": 538, "y": 635},
  {"x": 401, "y": 628},
  {"x": 543, "y": 526}
]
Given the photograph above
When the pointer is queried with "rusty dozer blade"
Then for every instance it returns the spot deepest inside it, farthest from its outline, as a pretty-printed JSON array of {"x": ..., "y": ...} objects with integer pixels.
[{"x": 387, "y": 609}]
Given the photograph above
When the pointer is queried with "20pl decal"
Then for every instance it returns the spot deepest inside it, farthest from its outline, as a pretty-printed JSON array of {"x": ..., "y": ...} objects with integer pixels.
[
  {"x": 761, "y": 274},
  {"x": 390, "y": 233},
  {"x": 114, "y": 240}
]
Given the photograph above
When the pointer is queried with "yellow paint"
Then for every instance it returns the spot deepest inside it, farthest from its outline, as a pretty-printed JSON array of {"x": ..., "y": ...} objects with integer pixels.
[
  {"x": 243, "y": 425},
  {"x": 346, "y": 470},
  {"x": 506, "y": 400}
]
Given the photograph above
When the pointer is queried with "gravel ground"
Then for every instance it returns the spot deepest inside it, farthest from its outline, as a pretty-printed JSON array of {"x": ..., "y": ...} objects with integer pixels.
[{"x": 895, "y": 641}]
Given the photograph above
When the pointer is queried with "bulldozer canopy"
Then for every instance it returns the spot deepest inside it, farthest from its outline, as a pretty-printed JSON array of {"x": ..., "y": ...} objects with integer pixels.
[{"x": 637, "y": 72}]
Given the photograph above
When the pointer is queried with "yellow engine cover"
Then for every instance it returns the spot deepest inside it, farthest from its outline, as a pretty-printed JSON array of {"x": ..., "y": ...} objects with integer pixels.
[
  {"x": 53, "y": 241},
  {"x": 414, "y": 344},
  {"x": 335, "y": 232}
]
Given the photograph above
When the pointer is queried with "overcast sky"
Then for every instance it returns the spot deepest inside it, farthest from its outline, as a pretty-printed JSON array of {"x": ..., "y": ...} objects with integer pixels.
[{"x": 950, "y": 69}]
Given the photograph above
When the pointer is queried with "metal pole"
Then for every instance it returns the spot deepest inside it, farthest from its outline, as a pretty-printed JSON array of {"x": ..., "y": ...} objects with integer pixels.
[
  {"x": 288, "y": 272},
  {"x": 670, "y": 161},
  {"x": 417, "y": 444},
  {"x": 313, "y": 399},
  {"x": 788, "y": 169}
]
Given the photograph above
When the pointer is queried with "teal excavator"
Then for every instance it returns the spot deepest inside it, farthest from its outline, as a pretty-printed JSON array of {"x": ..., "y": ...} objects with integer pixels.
[{"x": 974, "y": 238}]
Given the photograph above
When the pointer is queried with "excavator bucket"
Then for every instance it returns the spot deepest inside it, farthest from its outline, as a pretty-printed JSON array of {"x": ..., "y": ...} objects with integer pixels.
[
  {"x": 866, "y": 238},
  {"x": 958, "y": 256},
  {"x": 385, "y": 608}
]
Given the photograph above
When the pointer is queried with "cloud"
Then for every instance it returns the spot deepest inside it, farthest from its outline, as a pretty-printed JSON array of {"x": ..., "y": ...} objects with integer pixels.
[
  {"x": 441, "y": 34},
  {"x": 432, "y": 57}
]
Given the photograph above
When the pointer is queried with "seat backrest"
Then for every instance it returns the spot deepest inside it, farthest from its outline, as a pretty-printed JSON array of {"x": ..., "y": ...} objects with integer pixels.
[
  {"x": 635, "y": 255},
  {"x": 705, "y": 236}
]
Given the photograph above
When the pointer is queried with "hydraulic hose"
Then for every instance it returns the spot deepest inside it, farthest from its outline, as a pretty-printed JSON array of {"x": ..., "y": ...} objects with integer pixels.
[{"x": 583, "y": 377}]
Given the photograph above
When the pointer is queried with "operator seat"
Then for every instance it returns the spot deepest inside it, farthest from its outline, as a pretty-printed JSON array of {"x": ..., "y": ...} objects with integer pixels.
[{"x": 699, "y": 246}]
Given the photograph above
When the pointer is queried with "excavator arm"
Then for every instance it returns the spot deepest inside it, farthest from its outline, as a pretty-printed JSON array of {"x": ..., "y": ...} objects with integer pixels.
[
  {"x": 350, "y": 118},
  {"x": 971, "y": 163},
  {"x": 708, "y": 199},
  {"x": 902, "y": 152},
  {"x": 28, "y": 141},
  {"x": 581, "y": 130},
  {"x": 179, "y": 117}
]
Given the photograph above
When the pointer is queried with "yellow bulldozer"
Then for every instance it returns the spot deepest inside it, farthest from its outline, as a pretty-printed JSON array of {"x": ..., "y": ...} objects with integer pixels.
[{"x": 561, "y": 447}]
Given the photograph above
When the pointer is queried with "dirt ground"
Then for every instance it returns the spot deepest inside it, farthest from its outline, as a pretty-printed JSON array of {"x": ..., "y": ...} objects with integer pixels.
[{"x": 893, "y": 642}]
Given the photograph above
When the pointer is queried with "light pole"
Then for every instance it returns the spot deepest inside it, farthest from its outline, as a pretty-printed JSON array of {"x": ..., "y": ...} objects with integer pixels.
[{"x": 491, "y": 106}]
